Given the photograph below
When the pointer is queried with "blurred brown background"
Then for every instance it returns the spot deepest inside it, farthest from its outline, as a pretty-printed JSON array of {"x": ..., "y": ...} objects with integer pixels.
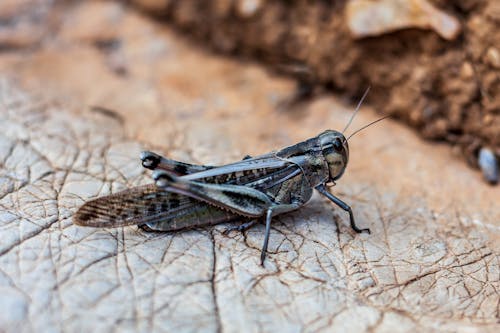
[{"x": 433, "y": 64}]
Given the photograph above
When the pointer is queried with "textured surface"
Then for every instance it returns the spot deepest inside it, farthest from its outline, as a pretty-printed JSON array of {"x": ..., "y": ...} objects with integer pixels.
[{"x": 432, "y": 261}]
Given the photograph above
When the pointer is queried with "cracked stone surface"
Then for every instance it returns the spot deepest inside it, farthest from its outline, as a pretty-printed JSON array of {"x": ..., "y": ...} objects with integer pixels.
[{"x": 74, "y": 114}]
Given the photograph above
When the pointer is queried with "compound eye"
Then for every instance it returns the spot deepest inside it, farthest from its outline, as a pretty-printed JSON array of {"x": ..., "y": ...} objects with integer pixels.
[{"x": 337, "y": 145}]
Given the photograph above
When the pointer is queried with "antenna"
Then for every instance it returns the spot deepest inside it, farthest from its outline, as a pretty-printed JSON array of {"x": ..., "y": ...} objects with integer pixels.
[
  {"x": 357, "y": 109},
  {"x": 362, "y": 128}
]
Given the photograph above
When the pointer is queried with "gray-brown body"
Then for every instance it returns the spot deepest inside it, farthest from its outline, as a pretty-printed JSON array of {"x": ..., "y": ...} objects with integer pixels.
[{"x": 189, "y": 196}]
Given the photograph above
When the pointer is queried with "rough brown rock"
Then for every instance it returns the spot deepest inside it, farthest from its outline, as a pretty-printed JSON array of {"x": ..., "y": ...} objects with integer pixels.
[{"x": 72, "y": 126}]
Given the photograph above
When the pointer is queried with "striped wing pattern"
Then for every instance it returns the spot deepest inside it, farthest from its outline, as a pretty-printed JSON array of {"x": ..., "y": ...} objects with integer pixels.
[{"x": 167, "y": 211}]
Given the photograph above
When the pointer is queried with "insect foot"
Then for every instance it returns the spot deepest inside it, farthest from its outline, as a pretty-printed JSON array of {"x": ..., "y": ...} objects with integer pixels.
[{"x": 322, "y": 189}]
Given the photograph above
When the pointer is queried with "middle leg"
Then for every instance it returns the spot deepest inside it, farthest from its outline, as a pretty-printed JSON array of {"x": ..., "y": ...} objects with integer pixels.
[{"x": 273, "y": 211}]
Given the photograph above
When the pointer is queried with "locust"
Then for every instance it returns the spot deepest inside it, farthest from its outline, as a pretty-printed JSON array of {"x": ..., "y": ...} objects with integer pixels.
[{"x": 185, "y": 196}]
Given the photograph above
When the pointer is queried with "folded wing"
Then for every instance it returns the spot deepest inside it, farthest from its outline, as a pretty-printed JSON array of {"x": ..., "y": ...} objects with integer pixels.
[{"x": 150, "y": 205}]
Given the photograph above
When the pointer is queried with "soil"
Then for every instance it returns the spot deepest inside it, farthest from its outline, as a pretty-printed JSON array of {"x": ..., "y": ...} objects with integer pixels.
[{"x": 447, "y": 89}]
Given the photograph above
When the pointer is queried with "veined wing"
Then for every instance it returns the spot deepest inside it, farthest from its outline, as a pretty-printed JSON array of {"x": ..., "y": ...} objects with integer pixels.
[
  {"x": 164, "y": 210},
  {"x": 152, "y": 206}
]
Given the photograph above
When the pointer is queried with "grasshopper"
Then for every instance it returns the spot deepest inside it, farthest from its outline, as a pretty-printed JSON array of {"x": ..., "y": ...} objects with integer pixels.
[{"x": 187, "y": 196}]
